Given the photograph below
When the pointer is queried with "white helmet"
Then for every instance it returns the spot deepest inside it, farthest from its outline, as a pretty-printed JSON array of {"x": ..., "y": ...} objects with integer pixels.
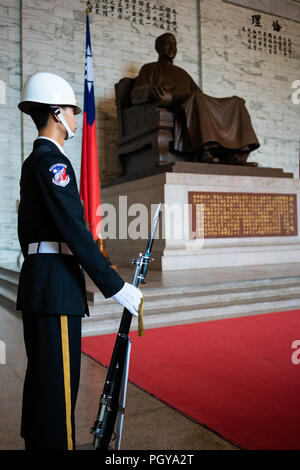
[{"x": 47, "y": 88}]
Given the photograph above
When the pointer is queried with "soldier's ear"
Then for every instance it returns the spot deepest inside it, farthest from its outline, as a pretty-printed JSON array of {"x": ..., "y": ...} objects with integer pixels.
[{"x": 55, "y": 117}]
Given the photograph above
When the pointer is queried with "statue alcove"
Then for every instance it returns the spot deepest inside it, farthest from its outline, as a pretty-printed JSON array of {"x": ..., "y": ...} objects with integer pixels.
[{"x": 145, "y": 140}]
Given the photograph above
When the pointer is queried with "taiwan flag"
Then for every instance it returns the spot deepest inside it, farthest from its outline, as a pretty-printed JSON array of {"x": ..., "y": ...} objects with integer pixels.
[{"x": 89, "y": 175}]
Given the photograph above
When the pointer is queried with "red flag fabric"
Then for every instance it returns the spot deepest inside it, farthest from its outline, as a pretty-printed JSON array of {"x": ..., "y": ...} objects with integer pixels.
[{"x": 89, "y": 175}]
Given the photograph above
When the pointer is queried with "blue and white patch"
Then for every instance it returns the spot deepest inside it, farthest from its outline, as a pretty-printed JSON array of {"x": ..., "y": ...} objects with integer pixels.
[{"x": 60, "y": 177}]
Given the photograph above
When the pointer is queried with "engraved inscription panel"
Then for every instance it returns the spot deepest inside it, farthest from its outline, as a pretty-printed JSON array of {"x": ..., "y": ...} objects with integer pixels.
[{"x": 237, "y": 215}]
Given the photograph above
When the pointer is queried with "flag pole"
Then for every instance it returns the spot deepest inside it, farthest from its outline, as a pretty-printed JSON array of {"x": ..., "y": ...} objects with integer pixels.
[{"x": 92, "y": 140}]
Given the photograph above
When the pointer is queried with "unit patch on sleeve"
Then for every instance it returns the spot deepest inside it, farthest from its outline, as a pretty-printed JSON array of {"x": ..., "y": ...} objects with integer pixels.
[{"x": 60, "y": 177}]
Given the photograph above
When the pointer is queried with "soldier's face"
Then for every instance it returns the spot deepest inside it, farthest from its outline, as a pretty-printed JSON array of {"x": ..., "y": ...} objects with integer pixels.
[
  {"x": 68, "y": 113},
  {"x": 168, "y": 47}
]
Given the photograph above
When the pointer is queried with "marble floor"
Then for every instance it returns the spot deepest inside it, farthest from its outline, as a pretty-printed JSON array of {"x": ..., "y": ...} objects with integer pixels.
[{"x": 149, "y": 424}]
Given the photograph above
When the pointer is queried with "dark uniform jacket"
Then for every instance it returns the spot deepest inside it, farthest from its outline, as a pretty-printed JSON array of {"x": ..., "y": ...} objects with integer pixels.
[{"x": 50, "y": 210}]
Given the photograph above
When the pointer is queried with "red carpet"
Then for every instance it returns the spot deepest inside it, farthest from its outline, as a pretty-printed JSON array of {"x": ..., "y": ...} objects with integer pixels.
[{"x": 235, "y": 376}]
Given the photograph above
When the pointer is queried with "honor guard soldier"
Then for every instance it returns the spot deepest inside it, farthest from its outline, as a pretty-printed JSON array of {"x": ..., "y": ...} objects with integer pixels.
[{"x": 57, "y": 247}]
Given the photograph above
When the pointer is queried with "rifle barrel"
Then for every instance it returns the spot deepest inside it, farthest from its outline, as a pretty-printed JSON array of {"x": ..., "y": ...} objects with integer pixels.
[{"x": 109, "y": 402}]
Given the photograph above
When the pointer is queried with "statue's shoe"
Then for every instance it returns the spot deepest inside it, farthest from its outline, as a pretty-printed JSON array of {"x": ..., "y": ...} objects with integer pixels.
[
  {"x": 207, "y": 157},
  {"x": 237, "y": 160}
]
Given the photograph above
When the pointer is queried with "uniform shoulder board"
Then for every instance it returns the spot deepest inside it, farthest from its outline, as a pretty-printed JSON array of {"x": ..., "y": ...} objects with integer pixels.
[{"x": 59, "y": 173}]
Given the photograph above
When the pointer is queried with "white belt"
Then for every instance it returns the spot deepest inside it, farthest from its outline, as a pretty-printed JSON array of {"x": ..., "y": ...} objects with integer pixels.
[{"x": 49, "y": 247}]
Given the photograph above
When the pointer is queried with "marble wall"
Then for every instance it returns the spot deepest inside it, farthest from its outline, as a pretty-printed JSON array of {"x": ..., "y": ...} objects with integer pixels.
[
  {"x": 10, "y": 126},
  {"x": 264, "y": 80},
  {"x": 54, "y": 40},
  {"x": 214, "y": 51}
]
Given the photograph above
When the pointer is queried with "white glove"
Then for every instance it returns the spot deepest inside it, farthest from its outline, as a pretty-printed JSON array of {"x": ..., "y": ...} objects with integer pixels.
[{"x": 130, "y": 297}]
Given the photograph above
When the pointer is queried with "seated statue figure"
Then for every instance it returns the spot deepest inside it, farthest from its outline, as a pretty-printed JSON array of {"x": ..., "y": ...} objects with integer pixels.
[{"x": 206, "y": 129}]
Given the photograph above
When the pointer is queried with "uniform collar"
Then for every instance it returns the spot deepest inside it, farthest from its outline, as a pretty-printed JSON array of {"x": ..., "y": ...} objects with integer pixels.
[{"x": 54, "y": 142}]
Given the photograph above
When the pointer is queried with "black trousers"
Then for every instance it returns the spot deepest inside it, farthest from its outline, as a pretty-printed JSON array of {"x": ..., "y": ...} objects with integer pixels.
[{"x": 53, "y": 348}]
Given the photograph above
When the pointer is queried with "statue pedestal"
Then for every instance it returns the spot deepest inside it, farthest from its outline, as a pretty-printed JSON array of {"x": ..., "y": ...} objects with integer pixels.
[{"x": 239, "y": 219}]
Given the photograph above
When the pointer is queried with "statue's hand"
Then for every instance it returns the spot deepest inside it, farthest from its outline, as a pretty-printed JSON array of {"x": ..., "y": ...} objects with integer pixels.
[
  {"x": 156, "y": 92},
  {"x": 165, "y": 100},
  {"x": 160, "y": 94}
]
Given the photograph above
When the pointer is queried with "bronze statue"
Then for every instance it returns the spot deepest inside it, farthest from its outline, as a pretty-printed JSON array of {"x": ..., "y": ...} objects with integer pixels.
[{"x": 207, "y": 129}]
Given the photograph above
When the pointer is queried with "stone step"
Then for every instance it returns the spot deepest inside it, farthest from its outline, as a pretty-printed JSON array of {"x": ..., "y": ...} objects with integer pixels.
[
  {"x": 9, "y": 275},
  {"x": 9, "y": 281},
  {"x": 186, "y": 299},
  {"x": 96, "y": 297},
  {"x": 10, "y": 272},
  {"x": 99, "y": 324},
  {"x": 201, "y": 306},
  {"x": 8, "y": 290},
  {"x": 156, "y": 299},
  {"x": 178, "y": 304}
]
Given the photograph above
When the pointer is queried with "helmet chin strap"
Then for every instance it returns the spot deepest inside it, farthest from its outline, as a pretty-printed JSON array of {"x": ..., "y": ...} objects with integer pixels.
[{"x": 57, "y": 113}]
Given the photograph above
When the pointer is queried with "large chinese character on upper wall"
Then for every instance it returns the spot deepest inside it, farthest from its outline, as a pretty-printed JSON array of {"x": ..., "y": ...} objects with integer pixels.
[
  {"x": 288, "y": 9},
  {"x": 267, "y": 34}
]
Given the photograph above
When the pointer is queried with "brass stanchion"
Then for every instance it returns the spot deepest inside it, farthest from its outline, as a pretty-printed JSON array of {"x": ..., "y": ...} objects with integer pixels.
[{"x": 101, "y": 243}]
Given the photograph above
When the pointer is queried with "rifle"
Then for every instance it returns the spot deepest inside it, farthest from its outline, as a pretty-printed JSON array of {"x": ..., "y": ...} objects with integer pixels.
[{"x": 113, "y": 398}]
